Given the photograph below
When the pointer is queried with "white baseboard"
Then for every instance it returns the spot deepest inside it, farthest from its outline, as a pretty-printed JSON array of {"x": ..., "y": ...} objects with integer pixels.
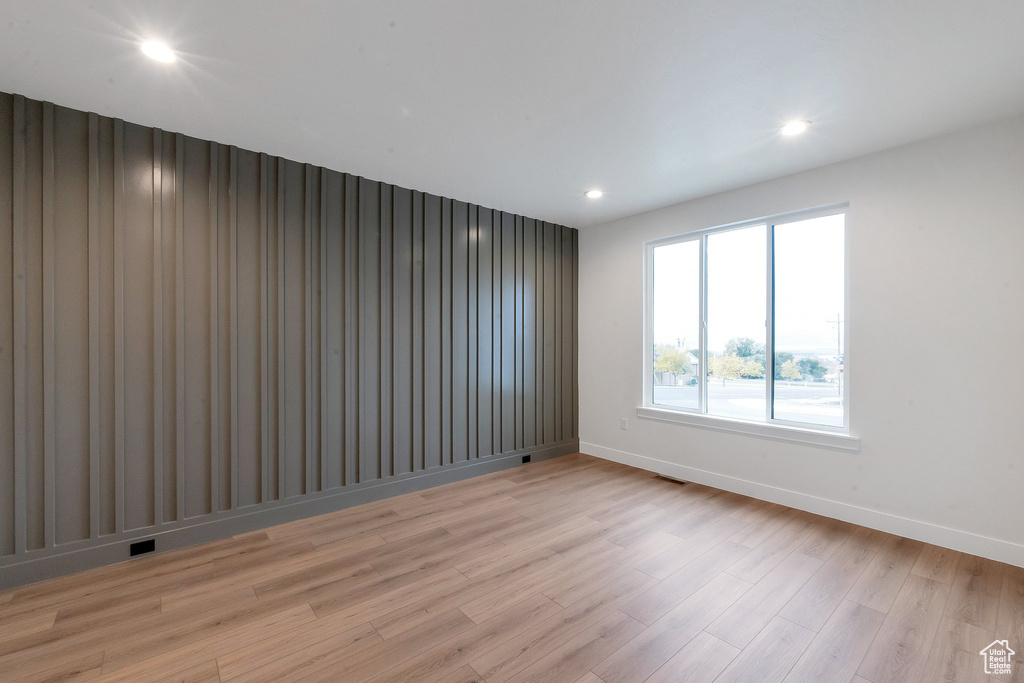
[{"x": 974, "y": 544}]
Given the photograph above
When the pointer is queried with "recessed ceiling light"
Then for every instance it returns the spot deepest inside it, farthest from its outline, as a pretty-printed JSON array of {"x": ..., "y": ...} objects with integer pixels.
[
  {"x": 794, "y": 128},
  {"x": 593, "y": 194},
  {"x": 154, "y": 49}
]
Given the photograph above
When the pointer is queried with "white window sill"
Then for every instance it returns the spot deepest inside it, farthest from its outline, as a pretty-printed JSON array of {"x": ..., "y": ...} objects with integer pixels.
[{"x": 812, "y": 437}]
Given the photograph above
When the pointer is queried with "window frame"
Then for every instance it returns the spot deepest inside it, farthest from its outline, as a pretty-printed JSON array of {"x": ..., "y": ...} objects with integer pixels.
[{"x": 770, "y": 427}]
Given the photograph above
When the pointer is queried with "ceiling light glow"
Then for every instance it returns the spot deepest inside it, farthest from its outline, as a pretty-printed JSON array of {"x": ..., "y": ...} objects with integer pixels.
[
  {"x": 158, "y": 51},
  {"x": 794, "y": 128},
  {"x": 593, "y": 194}
]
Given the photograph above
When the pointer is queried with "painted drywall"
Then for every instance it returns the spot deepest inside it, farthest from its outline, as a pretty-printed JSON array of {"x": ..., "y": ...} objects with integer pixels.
[
  {"x": 194, "y": 336},
  {"x": 936, "y": 316}
]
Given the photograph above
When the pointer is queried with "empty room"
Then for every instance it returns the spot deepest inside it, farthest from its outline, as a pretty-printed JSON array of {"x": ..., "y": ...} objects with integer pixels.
[{"x": 467, "y": 341}]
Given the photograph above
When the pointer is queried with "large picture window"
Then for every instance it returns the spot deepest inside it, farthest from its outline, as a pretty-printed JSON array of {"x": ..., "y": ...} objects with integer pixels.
[{"x": 748, "y": 321}]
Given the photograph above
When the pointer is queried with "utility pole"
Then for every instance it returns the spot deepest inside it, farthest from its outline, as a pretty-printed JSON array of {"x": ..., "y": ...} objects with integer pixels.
[{"x": 838, "y": 322}]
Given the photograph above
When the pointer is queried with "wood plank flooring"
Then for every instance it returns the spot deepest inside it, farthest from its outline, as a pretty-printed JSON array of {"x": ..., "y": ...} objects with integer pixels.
[{"x": 573, "y": 569}]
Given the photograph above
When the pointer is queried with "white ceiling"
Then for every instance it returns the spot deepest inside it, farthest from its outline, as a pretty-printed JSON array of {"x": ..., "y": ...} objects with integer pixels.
[{"x": 522, "y": 105}]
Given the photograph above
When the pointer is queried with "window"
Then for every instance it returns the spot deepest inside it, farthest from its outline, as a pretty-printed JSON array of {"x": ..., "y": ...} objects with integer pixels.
[{"x": 747, "y": 322}]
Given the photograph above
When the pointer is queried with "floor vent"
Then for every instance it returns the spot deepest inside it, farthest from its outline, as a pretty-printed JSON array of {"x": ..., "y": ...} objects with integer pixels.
[{"x": 142, "y": 547}]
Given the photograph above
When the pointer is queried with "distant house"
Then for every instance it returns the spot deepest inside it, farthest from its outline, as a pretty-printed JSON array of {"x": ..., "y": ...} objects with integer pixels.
[{"x": 674, "y": 379}]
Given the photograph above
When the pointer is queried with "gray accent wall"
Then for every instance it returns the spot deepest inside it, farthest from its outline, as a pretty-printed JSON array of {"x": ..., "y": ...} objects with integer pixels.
[{"x": 198, "y": 340}]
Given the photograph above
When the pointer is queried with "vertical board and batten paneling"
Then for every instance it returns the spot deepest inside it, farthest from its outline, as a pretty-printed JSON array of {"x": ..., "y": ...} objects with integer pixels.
[
  {"x": 8, "y": 472},
  {"x": 198, "y": 340}
]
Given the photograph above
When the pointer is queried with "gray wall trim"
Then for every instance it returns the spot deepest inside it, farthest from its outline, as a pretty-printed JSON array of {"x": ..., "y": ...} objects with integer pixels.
[
  {"x": 42, "y": 565},
  {"x": 195, "y": 338}
]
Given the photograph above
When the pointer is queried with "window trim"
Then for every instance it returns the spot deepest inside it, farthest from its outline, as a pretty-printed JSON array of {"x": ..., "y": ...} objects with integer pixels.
[
  {"x": 788, "y": 432},
  {"x": 698, "y": 416}
]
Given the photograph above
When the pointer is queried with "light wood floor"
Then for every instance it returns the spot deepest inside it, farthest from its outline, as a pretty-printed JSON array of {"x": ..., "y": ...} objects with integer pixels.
[{"x": 573, "y": 569}]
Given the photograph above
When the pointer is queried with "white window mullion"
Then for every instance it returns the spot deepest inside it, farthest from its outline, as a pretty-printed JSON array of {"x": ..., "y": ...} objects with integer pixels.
[
  {"x": 702, "y": 379},
  {"x": 769, "y": 324},
  {"x": 648, "y": 354}
]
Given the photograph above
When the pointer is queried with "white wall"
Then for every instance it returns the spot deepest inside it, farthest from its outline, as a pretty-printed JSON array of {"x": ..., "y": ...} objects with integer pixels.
[{"x": 935, "y": 356}]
